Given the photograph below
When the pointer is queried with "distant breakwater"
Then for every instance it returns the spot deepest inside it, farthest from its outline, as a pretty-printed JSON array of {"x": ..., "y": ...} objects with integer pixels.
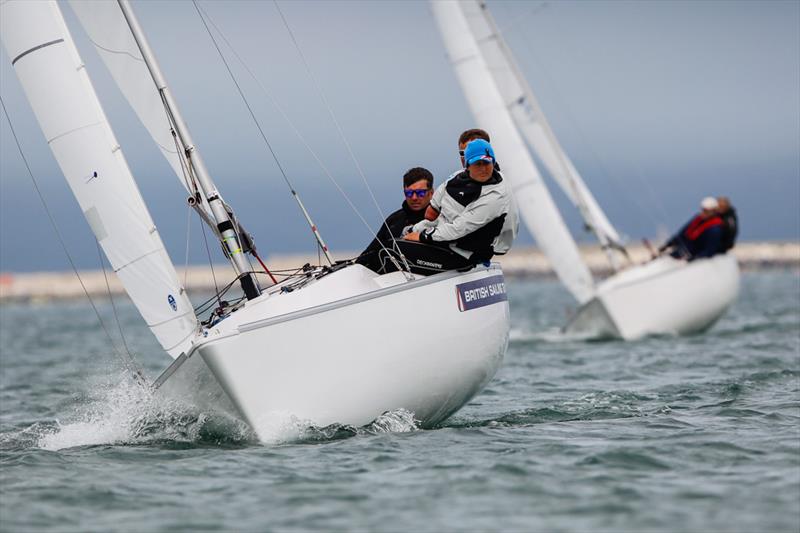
[{"x": 520, "y": 262}]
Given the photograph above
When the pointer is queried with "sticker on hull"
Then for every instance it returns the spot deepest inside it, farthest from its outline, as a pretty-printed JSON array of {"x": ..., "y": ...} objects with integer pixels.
[{"x": 478, "y": 293}]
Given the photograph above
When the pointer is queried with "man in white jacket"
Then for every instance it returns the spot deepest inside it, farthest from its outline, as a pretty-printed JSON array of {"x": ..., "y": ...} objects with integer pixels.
[{"x": 470, "y": 209}]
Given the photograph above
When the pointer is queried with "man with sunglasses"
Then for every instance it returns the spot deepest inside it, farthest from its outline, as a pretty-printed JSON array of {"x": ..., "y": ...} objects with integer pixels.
[
  {"x": 418, "y": 190},
  {"x": 473, "y": 214}
]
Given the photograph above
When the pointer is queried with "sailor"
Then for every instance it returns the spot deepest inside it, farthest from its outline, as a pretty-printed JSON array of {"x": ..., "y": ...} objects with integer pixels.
[
  {"x": 464, "y": 139},
  {"x": 511, "y": 224},
  {"x": 418, "y": 190},
  {"x": 730, "y": 223},
  {"x": 469, "y": 211},
  {"x": 700, "y": 237}
]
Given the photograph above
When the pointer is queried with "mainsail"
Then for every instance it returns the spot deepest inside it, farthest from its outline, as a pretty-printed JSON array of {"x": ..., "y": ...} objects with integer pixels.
[
  {"x": 58, "y": 87},
  {"x": 491, "y": 113},
  {"x": 531, "y": 121}
]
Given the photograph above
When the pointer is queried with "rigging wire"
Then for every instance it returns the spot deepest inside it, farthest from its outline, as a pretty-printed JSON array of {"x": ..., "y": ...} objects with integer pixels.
[
  {"x": 188, "y": 235},
  {"x": 299, "y": 136},
  {"x": 111, "y": 298},
  {"x": 305, "y": 144},
  {"x": 314, "y": 229},
  {"x": 610, "y": 177},
  {"x": 211, "y": 264},
  {"x": 129, "y": 363},
  {"x": 343, "y": 137}
]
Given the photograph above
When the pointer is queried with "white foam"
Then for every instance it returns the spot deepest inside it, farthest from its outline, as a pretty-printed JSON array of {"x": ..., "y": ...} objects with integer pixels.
[
  {"x": 126, "y": 413},
  {"x": 394, "y": 421},
  {"x": 279, "y": 427}
]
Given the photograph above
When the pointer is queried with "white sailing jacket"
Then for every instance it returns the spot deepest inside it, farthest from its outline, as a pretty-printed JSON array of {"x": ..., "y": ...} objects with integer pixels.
[{"x": 476, "y": 219}]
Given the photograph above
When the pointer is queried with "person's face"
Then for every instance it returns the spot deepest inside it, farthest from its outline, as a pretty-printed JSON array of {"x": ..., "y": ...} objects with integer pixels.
[
  {"x": 724, "y": 205},
  {"x": 481, "y": 170},
  {"x": 415, "y": 201}
]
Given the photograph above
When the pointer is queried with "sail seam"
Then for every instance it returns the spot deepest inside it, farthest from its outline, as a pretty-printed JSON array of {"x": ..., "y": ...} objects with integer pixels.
[
  {"x": 167, "y": 321},
  {"x": 180, "y": 342},
  {"x": 126, "y": 265},
  {"x": 38, "y": 47},
  {"x": 118, "y": 52},
  {"x": 49, "y": 141}
]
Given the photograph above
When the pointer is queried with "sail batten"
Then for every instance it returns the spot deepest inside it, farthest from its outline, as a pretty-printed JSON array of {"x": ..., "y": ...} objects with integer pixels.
[{"x": 94, "y": 166}]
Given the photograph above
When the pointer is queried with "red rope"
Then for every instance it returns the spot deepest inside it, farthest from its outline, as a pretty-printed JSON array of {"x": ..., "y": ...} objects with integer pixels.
[{"x": 275, "y": 281}]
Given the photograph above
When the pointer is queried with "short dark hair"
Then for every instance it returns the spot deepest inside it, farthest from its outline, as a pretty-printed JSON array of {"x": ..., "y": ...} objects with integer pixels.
[
  {"x": 416, "y": 174},
  {"x": 471, "y": 135}
]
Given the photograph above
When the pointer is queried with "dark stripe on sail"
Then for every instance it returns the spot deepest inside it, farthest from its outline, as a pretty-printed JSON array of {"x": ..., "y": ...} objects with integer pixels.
[{"x": 26, "y": 52}]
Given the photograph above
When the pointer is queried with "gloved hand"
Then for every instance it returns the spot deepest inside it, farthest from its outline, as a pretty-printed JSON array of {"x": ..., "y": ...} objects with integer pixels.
[{"x": 407, "y": 230}]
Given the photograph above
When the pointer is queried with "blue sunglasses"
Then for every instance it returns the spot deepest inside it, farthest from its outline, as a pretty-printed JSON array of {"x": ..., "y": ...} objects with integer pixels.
[{"x": 419, "y": 192}]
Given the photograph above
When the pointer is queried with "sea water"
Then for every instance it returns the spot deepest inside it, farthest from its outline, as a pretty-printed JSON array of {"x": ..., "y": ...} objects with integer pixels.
[{"x": 663, "y": 434}]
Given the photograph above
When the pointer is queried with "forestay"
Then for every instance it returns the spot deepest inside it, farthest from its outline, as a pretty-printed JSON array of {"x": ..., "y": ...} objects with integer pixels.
[
  {"x": 529, "y": 118},
  {"x": 489, "y": 109},
  {"x": 66, "y": 106}
]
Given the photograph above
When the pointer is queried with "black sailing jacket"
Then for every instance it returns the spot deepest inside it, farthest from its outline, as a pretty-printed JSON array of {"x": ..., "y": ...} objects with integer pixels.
[{"x": 398, "y": 220}]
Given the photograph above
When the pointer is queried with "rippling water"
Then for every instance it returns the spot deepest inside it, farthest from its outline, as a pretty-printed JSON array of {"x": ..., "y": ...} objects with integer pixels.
[{"x": 693, "y": 433}]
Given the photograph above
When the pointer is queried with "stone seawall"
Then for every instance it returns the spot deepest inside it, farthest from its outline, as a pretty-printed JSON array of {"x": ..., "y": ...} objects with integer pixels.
[{"x": 520, "y": 262}]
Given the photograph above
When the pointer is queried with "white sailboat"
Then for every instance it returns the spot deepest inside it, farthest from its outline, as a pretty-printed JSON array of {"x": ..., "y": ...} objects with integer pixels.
[
  {"x": 324, "y": 346},
  {"x": 664, "y": 296}
]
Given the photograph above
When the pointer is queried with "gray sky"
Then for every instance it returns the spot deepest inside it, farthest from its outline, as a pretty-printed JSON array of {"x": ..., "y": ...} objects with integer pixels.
[{"x": 657, "y": 103}]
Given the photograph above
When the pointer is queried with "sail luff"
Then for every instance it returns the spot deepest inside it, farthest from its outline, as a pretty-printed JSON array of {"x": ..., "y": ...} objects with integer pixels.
[
  {"x": 491, "y": 113},
  {"x": 532, "y": 122},
  {"x": 44, "y": 56}
]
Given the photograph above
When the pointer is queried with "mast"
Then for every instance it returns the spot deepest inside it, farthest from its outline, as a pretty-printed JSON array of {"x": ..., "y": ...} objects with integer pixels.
[{"x": 225, "y": 222}]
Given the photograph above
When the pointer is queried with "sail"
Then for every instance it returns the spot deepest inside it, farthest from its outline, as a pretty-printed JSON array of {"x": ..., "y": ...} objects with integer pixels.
[
  {"x": 108, "y": 30},
  {"x": 529, "y": 118},
  {"x": 533, "y": 199},
  {"x": 60, "y": 92}
]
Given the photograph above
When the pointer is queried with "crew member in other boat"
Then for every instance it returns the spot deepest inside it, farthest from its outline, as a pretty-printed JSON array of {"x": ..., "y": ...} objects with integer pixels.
[
  {"x": 467, "y": 214},
  {"x": 730, "y": 223},
  {"x": 418, "y": 190},
  {"x": 700, "y": 237}
]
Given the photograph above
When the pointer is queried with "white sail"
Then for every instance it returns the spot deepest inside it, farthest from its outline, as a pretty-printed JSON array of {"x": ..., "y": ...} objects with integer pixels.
[
  {"x": 529, "y": 118},
  {"x": 106, "y": 27},
  {"x": 62, "y": 97},
  {"x": 488, "y": 107}
]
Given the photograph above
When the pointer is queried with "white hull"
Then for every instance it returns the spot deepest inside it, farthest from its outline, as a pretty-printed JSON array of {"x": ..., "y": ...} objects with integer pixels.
[
  {"x": 326, "y": 359},
  {"x": 664, "y": 296}
]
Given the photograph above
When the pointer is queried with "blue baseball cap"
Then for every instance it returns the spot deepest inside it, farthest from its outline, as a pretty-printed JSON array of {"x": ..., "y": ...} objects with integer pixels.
[{"x": 478, "y": 150}]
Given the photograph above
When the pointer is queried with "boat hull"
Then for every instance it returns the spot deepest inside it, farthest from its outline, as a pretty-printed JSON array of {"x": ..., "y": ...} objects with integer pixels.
[
  {"x": 415, "y": 345},
  {"x": 663, "y": 297}
]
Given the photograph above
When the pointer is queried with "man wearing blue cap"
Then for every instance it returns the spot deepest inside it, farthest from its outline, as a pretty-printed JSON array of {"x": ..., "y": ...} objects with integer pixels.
[{"x": 470, "y": 210}]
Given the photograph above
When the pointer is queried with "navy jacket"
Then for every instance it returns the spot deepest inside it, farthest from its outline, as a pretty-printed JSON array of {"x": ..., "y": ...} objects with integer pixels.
[
  {"x": 700, "y": 237},
  {"x": 730, "y": 229}
]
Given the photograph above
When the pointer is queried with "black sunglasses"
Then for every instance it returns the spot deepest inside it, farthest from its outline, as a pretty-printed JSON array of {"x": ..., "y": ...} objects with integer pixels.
[
  {"x": 419, "y": 192},
  {"x": 461, "y": 153}
]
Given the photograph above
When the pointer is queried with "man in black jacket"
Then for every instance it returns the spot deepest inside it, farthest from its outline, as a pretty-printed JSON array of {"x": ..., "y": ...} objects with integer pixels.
[
  {"x": 418, "y": 190},
  {"x": 730, "y": 223}
]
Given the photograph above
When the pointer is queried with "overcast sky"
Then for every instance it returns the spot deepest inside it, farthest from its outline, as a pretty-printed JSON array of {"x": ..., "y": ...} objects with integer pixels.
[{"x": 657, "y": 103}]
